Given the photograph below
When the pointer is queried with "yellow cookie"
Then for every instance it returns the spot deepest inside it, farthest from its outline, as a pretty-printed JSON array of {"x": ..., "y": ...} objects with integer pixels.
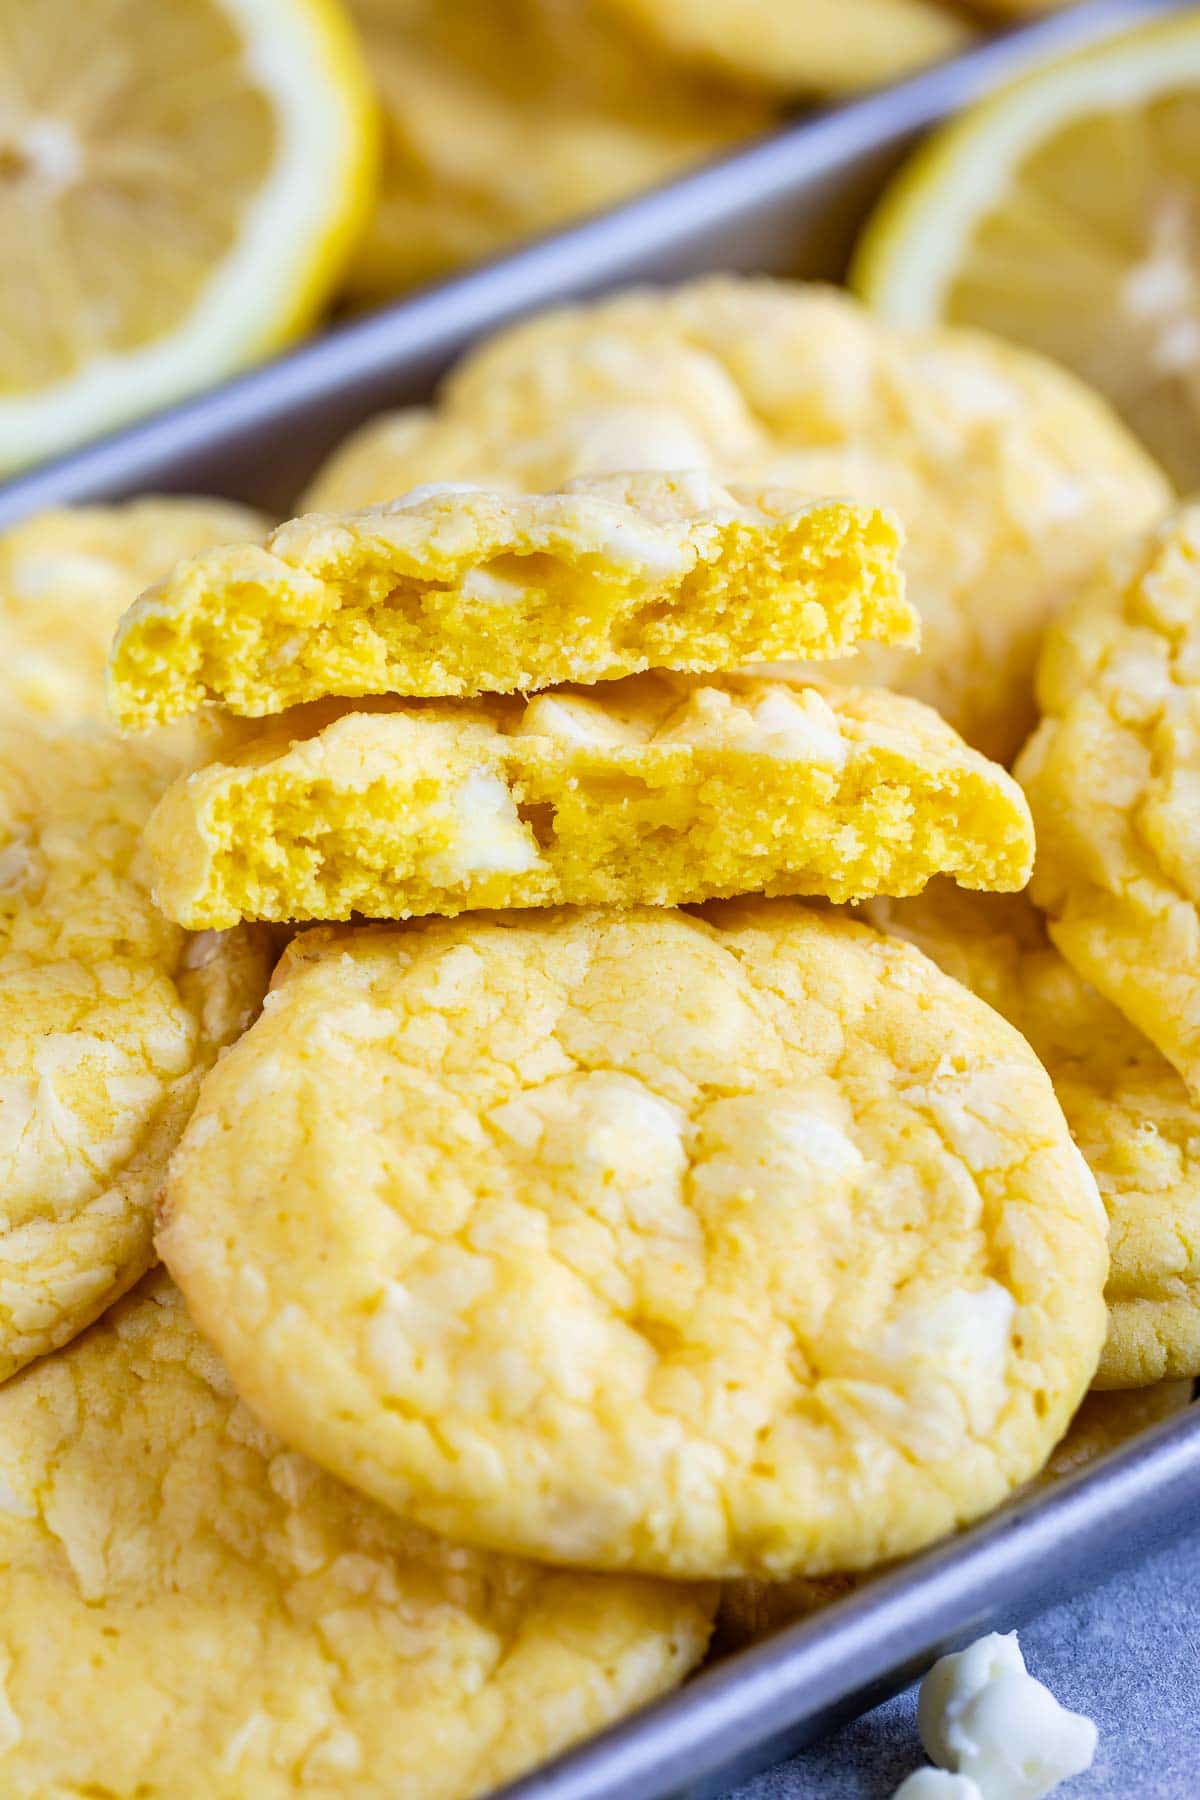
[
  {"x": 802, "y": 46},
  {"x": 508, "y": 117},
  {"x": 1130, "y": 1113},
  {"x": 189, "y": 1609},
  {"x": 1012, "y": 479},
  {"x": 109, "y": 1015},
  {"x": 1113, "y": 777},
  {"x": 67, "y": 576},
  {"x": 636, "y": 1240},
  {"x": 570, "y": 411},
  {"x": 656, "y": 789},
  {"x": 459, "y": 591},
  {"x": 751, "y": 1609}
]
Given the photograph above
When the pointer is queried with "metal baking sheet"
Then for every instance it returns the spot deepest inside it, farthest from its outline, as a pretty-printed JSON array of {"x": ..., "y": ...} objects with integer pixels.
[
  {"x": 789, "y": 204},
  {"x": 760, "y": 1705}
]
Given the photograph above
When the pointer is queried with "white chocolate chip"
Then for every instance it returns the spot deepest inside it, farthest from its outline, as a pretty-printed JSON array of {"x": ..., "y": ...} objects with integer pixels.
[
  {"x": 643, "y": 549},
  {"x": 981, "y": 1714},
  {"x": 429, "y": 490},
  {"x": 496, "y": 590},
  {"x": 797, "y": 726},
  {"x": 35, "y": 576},
  {"x": 487, "y": 835},
  {"x": 937, "y": 1784},
  {"x": 816, "y": 1145},
  {"x": 571, "y": 720},
  {"x": 632, "y": 437},
  {"x": 963, "y": 1338}
]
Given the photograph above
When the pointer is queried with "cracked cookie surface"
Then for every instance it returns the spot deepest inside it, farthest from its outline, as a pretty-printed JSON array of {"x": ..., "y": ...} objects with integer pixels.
[
  {"x": 453, "y": 590},
  {"x": 739, "y": 1244},
  {"x": 191, "y": 1611},
  {"x": 1011, "y": 478},
  {"x": 1129, "y": 1111},
  {"x": 751, "y": 1609},
  {"x": 67, "y": 575},
  {"x": 656, "y": 789},
  {"x": 109, "y": 1014},
  {"x": 1113, "y": 778}
]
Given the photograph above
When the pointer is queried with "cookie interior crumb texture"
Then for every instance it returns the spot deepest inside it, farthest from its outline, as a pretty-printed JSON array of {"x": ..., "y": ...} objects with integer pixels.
[
  {"x": 652, "y": 789},
  {"x": 458, "y": 591}
]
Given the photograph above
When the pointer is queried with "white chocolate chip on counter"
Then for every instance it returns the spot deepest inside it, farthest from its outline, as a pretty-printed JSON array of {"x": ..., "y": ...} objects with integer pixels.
[
  {"x": 936, "y": 1784},
  {"x": 982, "y": 1715}
]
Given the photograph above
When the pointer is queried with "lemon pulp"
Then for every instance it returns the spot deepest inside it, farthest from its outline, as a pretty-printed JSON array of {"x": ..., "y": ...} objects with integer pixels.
[
  {"x": 1065, "y": 215},
  {"x": 180, "y": 182}
]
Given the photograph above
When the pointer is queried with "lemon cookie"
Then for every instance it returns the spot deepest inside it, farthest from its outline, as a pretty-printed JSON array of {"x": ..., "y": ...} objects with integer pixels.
[
  {"x": 751, "y": 1609},
  {"x": 66, "y": 577},
  {"x": 1131, "y": 1115},
  {"x": 1011, "y": 477},
  {"x": 655, "y": 789},
  {"x": 813, "y": 47},
  {"x": 747, "y": 1244},
  {"x": 109, "y": 1015},
  {"x": 188, "y": 1608},
  {"x": 507, "y": 117},
  {"x": 1113, "y": 777},
  {"x": 459, "y": 591}
]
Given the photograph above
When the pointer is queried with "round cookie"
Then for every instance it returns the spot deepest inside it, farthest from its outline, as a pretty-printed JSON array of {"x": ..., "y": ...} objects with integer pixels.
[
  {"x": 109, "y": 1015},
  {"x": 1012, "y": 479},
  {"x": 1113, "y": 778},
  {"x": 507, "y": 117},
  {"x": 751, "y": 1609},
  {"x": 67, "y": 575},
  {"x": 189, "y": 1609},
  {"x": 1129, "y": 1111},
  {"x": 705, "y": 1246},
  {"x": 807, "y": 46}
]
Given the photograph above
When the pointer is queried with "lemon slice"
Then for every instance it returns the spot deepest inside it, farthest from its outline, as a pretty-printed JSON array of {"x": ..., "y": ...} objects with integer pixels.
[
  {"x": 181, "y": 183},
  {"x": 1065, "y": 214}
]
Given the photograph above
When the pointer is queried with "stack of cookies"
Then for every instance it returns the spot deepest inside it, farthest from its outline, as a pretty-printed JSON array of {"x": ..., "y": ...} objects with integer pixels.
[
  {"x": 646, "y": 1244},
  {"x": 588, "y": 1231},
  {"x": 468, "y": 780}
]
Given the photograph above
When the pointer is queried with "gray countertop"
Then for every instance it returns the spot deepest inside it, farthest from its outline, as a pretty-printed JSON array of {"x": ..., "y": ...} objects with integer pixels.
[{"x": 1127, "y": 1653}]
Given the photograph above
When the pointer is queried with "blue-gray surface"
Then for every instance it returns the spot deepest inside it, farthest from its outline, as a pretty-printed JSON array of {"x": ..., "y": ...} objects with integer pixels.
[{"x": 1127, "y": 1653}]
